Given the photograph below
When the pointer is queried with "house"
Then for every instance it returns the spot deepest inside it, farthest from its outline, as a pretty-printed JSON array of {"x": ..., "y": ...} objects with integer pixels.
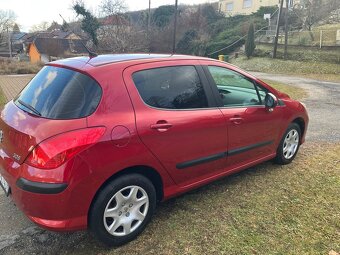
[
  {"x": 113, "y": 24},
  {"x": 246, "y": 7},
  {"x": 47, "y": 49},
  {"x": 16, "y": 43}
]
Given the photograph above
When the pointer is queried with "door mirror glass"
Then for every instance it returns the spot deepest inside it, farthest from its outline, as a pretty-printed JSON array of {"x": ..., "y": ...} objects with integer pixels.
[{"x": 270, "y": 101}]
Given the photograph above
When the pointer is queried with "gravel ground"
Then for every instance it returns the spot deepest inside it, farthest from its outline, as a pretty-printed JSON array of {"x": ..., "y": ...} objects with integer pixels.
[
  {"x": 19, "y": 236},
  {"x": 323, "y": 105}
]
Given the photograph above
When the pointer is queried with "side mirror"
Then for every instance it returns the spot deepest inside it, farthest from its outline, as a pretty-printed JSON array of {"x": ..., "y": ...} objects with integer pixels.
[{"x": 270, "y": 101}]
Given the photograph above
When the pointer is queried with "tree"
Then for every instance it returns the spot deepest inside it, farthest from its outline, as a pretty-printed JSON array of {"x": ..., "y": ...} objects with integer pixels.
[
  {"x": 41, "y": 27},
  {"x": 89, "y": 22},
  {"x": 110, "y": 7},
  {"x": 16, "y": 28},
  {"x": 186, "y": 43},
  {"x": 250, "y": 42},
  {"x": 163, "y": 15},
  {"x": 117, "y": 33},
  {"x": 310, "y": 12},
  {"x": 54, "y": 26},
  {"x": 7, "y": 19},
  {"x": 210, "y": 13}
]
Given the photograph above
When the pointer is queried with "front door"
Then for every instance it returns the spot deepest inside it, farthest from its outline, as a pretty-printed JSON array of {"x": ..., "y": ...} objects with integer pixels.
[
  {"x": 177, "y": 120},
  {"x": 252, "y": 129}
]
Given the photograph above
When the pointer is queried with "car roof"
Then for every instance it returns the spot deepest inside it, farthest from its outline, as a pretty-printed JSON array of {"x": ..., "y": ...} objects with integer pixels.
[{"x": 81, "y": 62}]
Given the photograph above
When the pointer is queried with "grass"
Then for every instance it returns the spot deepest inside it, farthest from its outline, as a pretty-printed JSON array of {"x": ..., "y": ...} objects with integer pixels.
[
  {"x": 309, "y": 69},
  {"x": 3, "y": 99},
  {"x": 14, "y": 67},
  {"x": 327, "y": 27},
  {"x": 268, "y": 209},
  {"x": 301, "y": 53},
  {"x": 294, "y": 92}
]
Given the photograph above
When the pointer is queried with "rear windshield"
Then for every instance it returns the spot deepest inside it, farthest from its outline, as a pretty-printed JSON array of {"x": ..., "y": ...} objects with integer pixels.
[{"x": 59, "y": 93}]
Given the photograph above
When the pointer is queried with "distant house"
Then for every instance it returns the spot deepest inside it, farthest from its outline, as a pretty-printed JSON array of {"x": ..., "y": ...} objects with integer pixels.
[
  {"x": 246, "y": 7},
  {"x": 58, "y": 34},
  {"x": 16, "y": 41},
  {"x": 47, "y": 49}
]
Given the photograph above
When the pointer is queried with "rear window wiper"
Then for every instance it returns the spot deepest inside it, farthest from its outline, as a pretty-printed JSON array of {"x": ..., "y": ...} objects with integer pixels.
[{"x": 29, "y": 107}]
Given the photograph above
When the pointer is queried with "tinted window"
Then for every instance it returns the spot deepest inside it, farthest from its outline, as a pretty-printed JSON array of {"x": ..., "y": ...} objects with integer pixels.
[
  {"x": 171, "y": 87},
  {"x": 234, "y": 88},
  {"x": 58, "y": 93}
]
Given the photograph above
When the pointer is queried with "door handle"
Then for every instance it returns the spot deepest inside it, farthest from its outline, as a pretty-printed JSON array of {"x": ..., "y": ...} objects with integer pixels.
[
  {"x": 236, "y": 120},
  {"x": 161, "y": 126}
]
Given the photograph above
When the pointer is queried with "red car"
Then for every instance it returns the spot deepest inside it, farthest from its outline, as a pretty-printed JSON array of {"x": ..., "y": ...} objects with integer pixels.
[{"x": 97, "y": 142}]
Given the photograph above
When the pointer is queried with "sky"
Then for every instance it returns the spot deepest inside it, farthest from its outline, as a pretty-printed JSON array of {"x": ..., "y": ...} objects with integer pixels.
[{"x": 31, "y": 12}]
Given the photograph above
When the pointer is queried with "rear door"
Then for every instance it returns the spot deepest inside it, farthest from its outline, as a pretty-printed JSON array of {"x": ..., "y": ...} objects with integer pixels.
[{"x": 177, "y": 118}]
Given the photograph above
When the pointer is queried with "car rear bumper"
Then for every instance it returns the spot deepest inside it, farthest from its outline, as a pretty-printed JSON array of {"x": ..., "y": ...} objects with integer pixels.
[
  {"x": 51, "y": 205},
  {"x": 40, "y": 187}
]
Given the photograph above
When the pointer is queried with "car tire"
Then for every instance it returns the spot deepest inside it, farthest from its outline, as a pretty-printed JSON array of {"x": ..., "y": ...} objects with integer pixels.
[
  {"x": 289, "y": 145},
  {"x": 122, "y": 209}
]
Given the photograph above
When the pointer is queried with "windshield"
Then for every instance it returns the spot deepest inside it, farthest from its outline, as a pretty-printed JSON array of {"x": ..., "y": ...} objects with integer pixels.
[{"x": 59, "y": 93}]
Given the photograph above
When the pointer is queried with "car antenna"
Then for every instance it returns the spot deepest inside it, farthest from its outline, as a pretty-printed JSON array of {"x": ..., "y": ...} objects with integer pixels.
[{"x": 91, "y": 53}]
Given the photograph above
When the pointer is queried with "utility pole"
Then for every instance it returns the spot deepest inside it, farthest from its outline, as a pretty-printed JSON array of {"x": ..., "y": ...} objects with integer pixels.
[
  {"x": 175, "y": 28},
  {"x": 9, "y": 43},
  {"x": 286, "y": 30},
  {"x": 149, "y": 16},
  {"x": 277, "y": 29},
  {"x": 149, "y": 24}
]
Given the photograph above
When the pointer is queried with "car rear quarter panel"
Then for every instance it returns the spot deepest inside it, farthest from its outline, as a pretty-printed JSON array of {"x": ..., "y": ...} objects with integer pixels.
[{"x": 121, "y": 147}]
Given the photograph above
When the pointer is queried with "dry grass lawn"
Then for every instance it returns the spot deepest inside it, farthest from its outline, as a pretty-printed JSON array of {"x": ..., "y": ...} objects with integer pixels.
[
  {"x": 307, "y": 69},
  {"x": 14, "y": 67},
  {"x": 267, "y": 209},
  {"x": 294, "y": 92}
]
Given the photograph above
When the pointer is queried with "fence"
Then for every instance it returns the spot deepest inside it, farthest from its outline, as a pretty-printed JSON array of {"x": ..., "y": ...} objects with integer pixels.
[{"x": 304, "y": 38}]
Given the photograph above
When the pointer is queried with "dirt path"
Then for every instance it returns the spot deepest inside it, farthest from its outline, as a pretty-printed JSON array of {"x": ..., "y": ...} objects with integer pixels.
[{"x": 19, "y": 236}]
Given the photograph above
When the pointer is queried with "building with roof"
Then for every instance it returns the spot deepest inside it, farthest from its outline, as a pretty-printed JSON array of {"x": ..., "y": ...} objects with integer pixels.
[
  {"x": 15, "y": 43},
  {"x": 48, "y": 49},
  {"x": 246, "y": 7}
]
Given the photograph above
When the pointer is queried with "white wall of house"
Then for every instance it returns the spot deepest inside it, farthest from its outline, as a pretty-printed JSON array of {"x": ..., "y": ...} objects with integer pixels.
[
  {"x": 234, "y": 7},
  {"x": 44, "y": 58}
]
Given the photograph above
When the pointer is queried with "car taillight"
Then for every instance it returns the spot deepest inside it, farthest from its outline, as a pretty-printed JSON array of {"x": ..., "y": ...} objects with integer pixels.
[{"x": 54, "y": 151}]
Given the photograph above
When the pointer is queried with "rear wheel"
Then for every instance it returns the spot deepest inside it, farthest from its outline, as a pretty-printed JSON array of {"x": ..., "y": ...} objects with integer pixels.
[
  {"x": 289, "y": 145},
  {"x": 122, "y": 209}
]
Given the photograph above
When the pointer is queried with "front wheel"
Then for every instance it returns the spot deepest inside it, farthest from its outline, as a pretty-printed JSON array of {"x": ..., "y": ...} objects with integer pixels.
[
  {"x": 289, "y": 145},
  {"x": 122, "y": 209}
]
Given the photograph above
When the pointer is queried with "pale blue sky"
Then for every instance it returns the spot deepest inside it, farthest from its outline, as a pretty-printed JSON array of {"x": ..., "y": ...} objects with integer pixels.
[{"x": 30, "y": 12}]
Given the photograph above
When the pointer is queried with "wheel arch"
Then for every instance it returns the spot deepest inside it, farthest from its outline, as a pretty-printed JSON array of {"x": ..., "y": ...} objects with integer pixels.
[
  {"x": 300, "y": 121},
  {"x": 146, "y": 171}
]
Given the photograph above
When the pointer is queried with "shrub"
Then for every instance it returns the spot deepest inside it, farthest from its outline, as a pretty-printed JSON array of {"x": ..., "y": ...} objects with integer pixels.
[{"x": 8, "y": 66}]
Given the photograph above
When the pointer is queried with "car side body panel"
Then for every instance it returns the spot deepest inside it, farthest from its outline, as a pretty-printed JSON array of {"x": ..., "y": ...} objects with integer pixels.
[{"x": 129, "y": 142}]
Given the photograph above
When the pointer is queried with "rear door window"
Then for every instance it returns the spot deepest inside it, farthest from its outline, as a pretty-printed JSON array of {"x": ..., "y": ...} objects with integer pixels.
[
  {"x": 59, "y": 93},
  {"x": 175, "y": 87}
]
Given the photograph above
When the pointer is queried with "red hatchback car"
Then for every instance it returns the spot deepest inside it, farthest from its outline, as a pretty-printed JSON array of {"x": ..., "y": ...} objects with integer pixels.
[{"x": 97, "y": 142}]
